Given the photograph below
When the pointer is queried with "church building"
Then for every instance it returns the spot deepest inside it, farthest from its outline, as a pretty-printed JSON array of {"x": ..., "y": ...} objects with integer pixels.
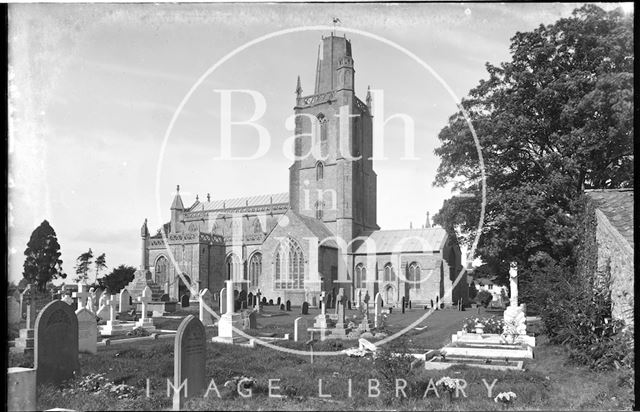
[{"x": 320, "y": 236}]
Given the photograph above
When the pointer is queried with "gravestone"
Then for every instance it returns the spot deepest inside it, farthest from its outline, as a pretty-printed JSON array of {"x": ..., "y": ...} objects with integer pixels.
[
  {"x": 314, "y": 301},
  {"x": 184, "y": 301},
  {"x": 282, "y": 306},
  {"x": 13, "y": 310},
  {"x": 279, "y": 301},
  {"x": 377, "y": 311},
  {"x": 404, "y": 301},
  {"x": 288, "y": 306},
  {"x": 223, "y": 301},
  {"x": 189, "y": 361},
  {"x": 124, "y": 300},
  {"x": 145, "y": 298},
  {"x": 56, "y": 344},
  {"x": 253, "y": 320},
  {"x": 349, "y": 304},
  {"x": 206, "y": 307},
  {"x": 300, "y": 332},
  {"x": 305, "y": 308},
  {"x": 250, "y": 300},
  {"x": 68, "y": 300},
  {"x": 409, "y": 304},
  {"x": 270, "y": 302},
  {"x": 432, "y": 303},
  {"x": 165, "y": 298},
  {"x": 87, "y": 331},
  {"x": 81, "y": 296},
  {"x": 340, "y": 330}
]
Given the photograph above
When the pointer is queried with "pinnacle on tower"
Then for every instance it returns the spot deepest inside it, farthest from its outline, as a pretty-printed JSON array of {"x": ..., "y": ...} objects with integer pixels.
[
  {"x": 298, "y": 88},
  {"x": 208, "y": 197},
  {"x": 368, "y": 98},
  {"x": 177, "y": 201},
  {"x": 428, "y": 224}
]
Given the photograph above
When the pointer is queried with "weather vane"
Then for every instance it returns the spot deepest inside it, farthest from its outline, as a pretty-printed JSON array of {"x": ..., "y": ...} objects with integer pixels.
[{"x": 335, "y": 21}]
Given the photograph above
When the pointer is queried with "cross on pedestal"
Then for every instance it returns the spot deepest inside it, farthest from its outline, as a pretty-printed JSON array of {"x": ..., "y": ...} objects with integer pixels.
[
  {"x": 110, "y": 302},
  {"x": 81, "y": 295},
  {"x": 144, "y": 300}
]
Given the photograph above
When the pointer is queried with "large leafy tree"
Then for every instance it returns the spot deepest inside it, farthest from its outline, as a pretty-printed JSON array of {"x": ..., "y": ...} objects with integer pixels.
[
  {"x": 119, "y": 277},
  {"x": 42, "y": 263},
  {"x": 555, "y": 120}
]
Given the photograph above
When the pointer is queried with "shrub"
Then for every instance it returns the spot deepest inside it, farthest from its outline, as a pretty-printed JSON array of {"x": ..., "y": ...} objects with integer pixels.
[{"x": 484, "y": 297}]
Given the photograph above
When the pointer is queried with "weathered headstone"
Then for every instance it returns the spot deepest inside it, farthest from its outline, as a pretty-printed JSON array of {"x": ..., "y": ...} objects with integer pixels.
[
  {"x": 124, "y": 300},
  {"x": 300, "y": 330},
  {"x": 184, "y": 301},
  {"x": 87, "y": 331},
  {"x": 288, "y": 306},
  {"x": 404, "y": 301},
  {"x": 349, "y": 304},
  {"x": 223, "y": 301},
  {"x": 165, "y": 298},
  {"x": 279, "y": 301},
  {"x": 305, "y": 308},
  {"x": 56, "y": 344},
  {"x": 189, "y": 361},
  {"x": 250, "y": 301},
  {"x": 282, "y": 306},
  {"x": 68, "y": 300},
  {"x": 253, "y": 320},
  {"x": 377, "y": 314},
  {"x": 270, "y": 302},
  {"x": 206, "y": 307}
]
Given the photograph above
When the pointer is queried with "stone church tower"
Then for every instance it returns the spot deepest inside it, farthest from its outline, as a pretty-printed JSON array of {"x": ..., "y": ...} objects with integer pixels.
[{"x": 335, "y": 183}]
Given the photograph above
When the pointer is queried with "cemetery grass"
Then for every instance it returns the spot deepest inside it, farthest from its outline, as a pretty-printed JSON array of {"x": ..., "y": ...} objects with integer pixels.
[{"x": 548, "y": 383}]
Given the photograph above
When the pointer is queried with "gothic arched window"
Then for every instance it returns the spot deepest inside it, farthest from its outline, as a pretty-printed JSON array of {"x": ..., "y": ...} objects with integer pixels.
[
  {"x": 161, "y": 270},
  {"x": 289, "y": 265},
  {"x": 414, "y": 276},
  {"x": 319, "y": 171},
  {"x": 360, "y": 275},
  {"x": 319, "y": 210},
  {"x": 389, "y": 275},
  {"x": 322, "y": 120},
  {"x": 255, "y": 269}
]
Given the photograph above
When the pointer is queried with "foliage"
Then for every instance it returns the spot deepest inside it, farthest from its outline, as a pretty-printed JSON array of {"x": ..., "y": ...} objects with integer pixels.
[
  {"x": 82, "y": 266},
  {"x": 119, "y": 277},
  {"x": 492, "y": 324},
  {"x": 42, "y": 263},
  {"x": 505, "y": 397},
  {"x": 576, "y": 311},
  {"x": 473, "y": 292},
  {"x": 484, "y": 297},
  {"x": 554, "y": 120},
  {"x": 98, "y": 384},
  {"x": 100, "y": 264}
]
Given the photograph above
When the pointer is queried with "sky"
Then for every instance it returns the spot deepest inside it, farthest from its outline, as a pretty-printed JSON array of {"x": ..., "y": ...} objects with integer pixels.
[{"x": 93, "y": 89}]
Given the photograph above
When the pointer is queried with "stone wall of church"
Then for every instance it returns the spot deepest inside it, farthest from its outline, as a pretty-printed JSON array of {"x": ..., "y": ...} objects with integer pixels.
[{"x": 616, "y": 256}]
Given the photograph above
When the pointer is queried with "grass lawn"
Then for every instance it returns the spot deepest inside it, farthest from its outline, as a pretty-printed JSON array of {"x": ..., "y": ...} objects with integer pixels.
[{"x": 547, "y": 383}]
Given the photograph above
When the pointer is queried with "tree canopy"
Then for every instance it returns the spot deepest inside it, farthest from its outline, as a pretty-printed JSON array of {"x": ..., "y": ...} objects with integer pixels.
[
  {"x": 83, "y": 263},
  {"x": 42, "y": 263},
  {"x": 119, "y": 277},
  {"x": 553, "y": 121}
]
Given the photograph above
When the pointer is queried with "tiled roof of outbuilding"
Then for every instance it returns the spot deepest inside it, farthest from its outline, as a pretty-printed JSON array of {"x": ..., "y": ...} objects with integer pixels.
[{"x": 617, "y": 206}]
